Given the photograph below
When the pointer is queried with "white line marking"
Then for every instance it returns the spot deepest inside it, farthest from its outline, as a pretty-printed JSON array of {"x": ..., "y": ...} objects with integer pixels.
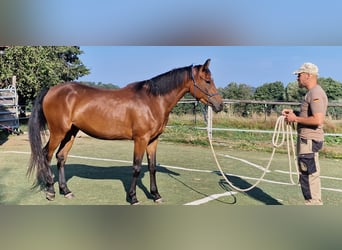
[
  {"x": 264, "y": 180},
  {"x": 245, "y": 161},
  {"x": 195, "y": 170},
  {"x": 122, "y": 161},
  {"x": 210, "y": 198},
  {"x": 332, "y": 189},
  {"x": 16, "y": 152},
  {"x": 322, "y": 176},
  {"x": 97, "y": 159}
]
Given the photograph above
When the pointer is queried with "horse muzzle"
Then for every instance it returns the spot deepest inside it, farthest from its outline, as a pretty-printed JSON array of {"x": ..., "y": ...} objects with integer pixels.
[{"x": 217, "y": 106}]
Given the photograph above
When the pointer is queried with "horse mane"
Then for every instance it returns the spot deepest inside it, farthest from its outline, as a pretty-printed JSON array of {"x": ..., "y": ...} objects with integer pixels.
[{"x": 164, "y": 83}]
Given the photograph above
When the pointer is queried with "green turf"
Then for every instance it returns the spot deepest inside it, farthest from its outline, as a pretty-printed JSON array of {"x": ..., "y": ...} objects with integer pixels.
[{"x": 103, "y": 182}]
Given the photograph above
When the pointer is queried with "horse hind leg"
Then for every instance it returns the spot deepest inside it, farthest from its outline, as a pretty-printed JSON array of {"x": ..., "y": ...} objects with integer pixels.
[
  {"x": 50, "y": 147},
  {"x": 61, "y": 156}
]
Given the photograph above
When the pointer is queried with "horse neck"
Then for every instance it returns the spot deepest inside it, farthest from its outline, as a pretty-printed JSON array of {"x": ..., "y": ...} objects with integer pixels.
[{"x": 174, "y": 96}]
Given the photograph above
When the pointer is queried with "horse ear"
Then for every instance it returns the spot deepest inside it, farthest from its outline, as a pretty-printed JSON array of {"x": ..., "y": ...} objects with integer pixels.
[{"x": 206, "y": 65}]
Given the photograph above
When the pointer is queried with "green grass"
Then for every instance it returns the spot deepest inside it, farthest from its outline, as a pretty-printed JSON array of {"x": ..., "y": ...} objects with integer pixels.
[
  {"x": 183, "y": 130},
  {"x": 247, "y": 141},
  {"x": 104, "y": 182},
  {"x": 99, "y": 182},
  {"x": 223, "y": 120}
]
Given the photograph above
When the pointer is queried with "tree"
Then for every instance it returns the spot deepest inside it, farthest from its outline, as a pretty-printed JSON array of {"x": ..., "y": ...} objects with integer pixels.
[
  {"x": 293, "y": 93},
  {"x": 236, "y": 91},
  {"x": 332, "y": 88},
  {"x": 102, "y": 85},
  {"x": 38, "y": 67},
  {"x": 185, "y": 108},
  {"x": 269, "y": 92}
]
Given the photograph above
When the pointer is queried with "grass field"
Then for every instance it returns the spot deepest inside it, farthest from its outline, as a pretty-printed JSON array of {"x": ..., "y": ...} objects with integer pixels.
[{"x": 98, "y": 172}]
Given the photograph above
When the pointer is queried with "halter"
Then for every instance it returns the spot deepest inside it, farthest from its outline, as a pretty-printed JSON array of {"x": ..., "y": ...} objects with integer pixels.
[{"x": 198, "y": 87}]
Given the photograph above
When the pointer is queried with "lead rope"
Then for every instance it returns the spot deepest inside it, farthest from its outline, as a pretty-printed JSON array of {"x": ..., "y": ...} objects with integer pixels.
[{"x": 279, "y": 129}]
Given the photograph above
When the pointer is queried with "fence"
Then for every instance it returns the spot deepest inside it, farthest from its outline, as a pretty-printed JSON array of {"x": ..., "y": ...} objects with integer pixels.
[
  {"x": 9, "y": 109},
  {"x": 247, "y": 107}
]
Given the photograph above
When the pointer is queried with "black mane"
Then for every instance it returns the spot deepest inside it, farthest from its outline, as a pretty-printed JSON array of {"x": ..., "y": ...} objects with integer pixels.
[{"x": 166, "y": 82}]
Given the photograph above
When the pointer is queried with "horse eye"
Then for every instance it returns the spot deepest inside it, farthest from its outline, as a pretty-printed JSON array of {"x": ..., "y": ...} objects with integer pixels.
[{"x": 206, "y": 80}]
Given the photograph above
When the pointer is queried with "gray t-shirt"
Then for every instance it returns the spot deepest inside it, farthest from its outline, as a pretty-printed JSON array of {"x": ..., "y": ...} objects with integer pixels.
[{"x": 315, "y": 101}]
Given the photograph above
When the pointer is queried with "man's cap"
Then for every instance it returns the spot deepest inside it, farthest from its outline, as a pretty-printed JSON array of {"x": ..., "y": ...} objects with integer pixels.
[{"x": 307, "y": 68}]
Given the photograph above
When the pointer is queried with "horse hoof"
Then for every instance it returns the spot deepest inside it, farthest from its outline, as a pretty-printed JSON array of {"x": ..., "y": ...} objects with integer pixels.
[
  {"x": 50, "y": 196},
  {"x": 69, "y": 196},
  {"x": 159, "y": 201},
  {"x": 136, "y": 202}
]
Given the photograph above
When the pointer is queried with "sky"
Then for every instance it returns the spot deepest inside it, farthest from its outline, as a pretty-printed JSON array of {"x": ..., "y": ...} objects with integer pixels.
[
  {"x": 250, "y": 42},
  {"x": 171, "y": 22},
  {"x": 251, "y": 65}
]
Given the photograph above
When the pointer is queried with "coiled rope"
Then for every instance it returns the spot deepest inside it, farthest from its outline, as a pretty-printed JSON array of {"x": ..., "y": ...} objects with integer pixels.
[{"x": 281, "y": 128}]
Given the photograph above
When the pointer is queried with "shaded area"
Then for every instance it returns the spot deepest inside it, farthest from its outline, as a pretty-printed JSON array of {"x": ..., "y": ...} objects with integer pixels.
[
  {"x": 3, "y": 137},
  {"x": 121, "y": 173},
  {"x": 256, "y": 193},
  {"x": 204, "y": 194}
]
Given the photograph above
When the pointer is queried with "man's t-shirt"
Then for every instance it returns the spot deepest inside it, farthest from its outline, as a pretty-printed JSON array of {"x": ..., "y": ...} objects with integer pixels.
[{"x": 315, "y": 101}]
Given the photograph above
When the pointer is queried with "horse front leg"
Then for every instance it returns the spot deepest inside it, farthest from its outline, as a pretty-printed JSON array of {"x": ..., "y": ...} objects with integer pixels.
[
  {"x": 132, "y": 193},
  {"x": 151, "y": 152},
  {"x": 139, "y": 149}
]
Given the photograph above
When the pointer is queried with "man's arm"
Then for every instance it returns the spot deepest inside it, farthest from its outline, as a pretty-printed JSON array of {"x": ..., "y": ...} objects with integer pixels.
[{"x": 316, "y": 119}]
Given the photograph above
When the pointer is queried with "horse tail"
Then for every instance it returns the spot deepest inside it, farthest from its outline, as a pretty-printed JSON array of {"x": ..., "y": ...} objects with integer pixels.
[{"x": 36, "y": 126}]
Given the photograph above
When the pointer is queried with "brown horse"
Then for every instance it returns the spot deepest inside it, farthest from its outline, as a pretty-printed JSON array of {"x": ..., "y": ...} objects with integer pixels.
[{"x": 137, "y": 112}]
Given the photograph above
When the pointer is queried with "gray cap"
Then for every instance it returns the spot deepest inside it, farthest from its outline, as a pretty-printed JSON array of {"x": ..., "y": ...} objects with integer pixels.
[{"x": 307, "y": 68}]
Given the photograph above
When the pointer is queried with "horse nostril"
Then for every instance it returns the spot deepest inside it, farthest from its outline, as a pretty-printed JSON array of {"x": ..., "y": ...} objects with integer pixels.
[{"x": 217, "y": 107}]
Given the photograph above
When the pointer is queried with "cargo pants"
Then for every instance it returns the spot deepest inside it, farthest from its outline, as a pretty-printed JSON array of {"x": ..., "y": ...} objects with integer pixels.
[{"x": 309, "y": 170}]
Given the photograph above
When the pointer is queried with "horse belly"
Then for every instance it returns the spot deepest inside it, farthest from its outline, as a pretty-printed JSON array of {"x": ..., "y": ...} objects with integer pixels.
[{"x": 105, "y": 126}]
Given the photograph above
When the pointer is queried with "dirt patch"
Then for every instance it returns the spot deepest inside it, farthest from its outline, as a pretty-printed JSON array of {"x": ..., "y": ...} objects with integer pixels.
[
  {"x": 15, "y": 141},
  {"x": 22, "y": 140}
]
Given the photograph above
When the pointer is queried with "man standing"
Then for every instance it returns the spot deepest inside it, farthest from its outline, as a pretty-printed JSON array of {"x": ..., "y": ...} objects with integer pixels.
[{"x": 309, "y": 121}]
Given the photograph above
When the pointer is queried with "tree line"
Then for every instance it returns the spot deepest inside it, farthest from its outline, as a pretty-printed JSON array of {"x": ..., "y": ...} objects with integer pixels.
[
  {"x": 276, "y": 91},
  {"x": 38, "y": 67},
  {"x": 267, "y": 92}
]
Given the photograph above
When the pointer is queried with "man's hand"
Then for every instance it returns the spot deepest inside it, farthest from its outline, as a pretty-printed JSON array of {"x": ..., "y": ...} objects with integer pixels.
[{"x": 289, "y": 115}]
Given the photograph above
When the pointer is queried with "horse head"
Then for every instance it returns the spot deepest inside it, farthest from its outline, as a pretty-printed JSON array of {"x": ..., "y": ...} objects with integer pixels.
[{"x": 203, "y": 88}]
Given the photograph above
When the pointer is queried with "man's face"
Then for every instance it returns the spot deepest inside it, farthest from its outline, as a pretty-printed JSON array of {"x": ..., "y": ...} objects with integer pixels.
[{"x": 301, "y": 78}]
